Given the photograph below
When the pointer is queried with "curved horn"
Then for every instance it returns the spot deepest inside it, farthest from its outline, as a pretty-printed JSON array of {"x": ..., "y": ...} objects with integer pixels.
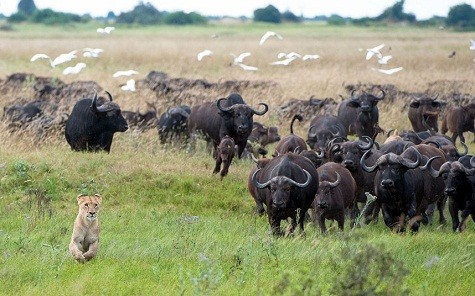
[
  {"x": 310, "y": 134},
  {"x": 331, "y": 142},
  {"x": 435, "y": 97},
  {"x": 301, "y": 185},
  {"x": 432, "y": 142},
  {"x": 469, "y": 172},
  {"x": 367, "y": 146},
  {"x": 371, "y": 168},
  {"x": 434, "y": 173},
  {"x": 109, "y": 95},
  {"x": 353, "y": 93},
  {"x": 338, "y": 179},
  {"x": 254, "y": 158},
  {"x": 256, "y": 183},
  {"x": 320, "y": 154},
  {"x": 94, "y": 101},
  {"x": 472, "y": 161},
  {"x": 223, "y": 109},
  {"x": 334, "y": 148},
  {"x": 297, "y": 150},
  {"x": 465, "y": 150},
  {"x": 379, "y": 98},
  {"x": 390, "y": 131},
  {"x": 412, "y": 165},
  {"x": 261, "y": 112}
]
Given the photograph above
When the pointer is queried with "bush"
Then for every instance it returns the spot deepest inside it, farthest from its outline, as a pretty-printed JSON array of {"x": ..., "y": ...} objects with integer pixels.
[
  {"x": 144, "y": 14},
  {"x": 51, "y": 17},
  {"x": 461, "y": 16},
  {"x": 183, "y": 18},
  {"x": 289, "y": 16},
  {"x": 270, "y": 14},
  {"x": 17, "y": 17}
]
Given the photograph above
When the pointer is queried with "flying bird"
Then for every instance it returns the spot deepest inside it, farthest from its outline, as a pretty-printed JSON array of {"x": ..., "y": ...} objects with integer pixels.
[
  {"x": 92, "y": 52},
  {"x": 203, "y": 54},
  {"x": 269, "y": 34},
  {"x": 62, "y": 58},
  {"x": 248, "y": 68},
  {"x": 388, "y": 71},
  {"x": 129, "y": 86},
  {"x": 384, "y": 59},
  {"x": 370, "y": 52},
  {"x": 472, "y": 44},
  {"x": 124, "y": 73},
  {"x": 74, "y": 70},
  {"x": 310, "y": 57},
  {"x": 240, "y": 58},
  {"x": 106, "y": 30},
  {"x": 289, "y": 55},
  {"x": 284, "y": 62}
]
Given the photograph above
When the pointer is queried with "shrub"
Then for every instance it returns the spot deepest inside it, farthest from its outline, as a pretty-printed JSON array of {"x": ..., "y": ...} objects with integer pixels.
[{"x": 269, "y": 14}]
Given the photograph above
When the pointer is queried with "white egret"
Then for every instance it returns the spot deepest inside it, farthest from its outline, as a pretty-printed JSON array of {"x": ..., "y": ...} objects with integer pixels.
[
  {"x": 248, "y": 68},
  {"x": 92, "y": 52},
  {"x": 129, "y": 86},
  {"x": 388, "y": 71},
  {"x": 472, "y": 44},
  {"x": 74, "y": 70},
  {"x": 284, "y": 62},
  {"x": 269, "y": 34},
  {"x": 106, "y": 30},
  {"x": 310, "y": 57},
  {"x": 240, "y": 58},
  {"x": 384, "y": 59},
  {"x": 64, "y": 57},
  {"x": 124, "y": 73},
  {"x": 374, "y": 51},
  {"x": 203, "y": 54}
]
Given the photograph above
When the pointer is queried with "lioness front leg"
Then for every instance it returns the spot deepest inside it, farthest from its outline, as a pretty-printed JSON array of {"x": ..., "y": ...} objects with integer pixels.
[
  {"x": 76, "y": 252},
  {"x": 91, "y": 253}
]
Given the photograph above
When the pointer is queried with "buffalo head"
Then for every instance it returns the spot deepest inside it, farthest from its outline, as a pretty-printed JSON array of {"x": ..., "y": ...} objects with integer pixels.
[{"x": 238, "y": 117}]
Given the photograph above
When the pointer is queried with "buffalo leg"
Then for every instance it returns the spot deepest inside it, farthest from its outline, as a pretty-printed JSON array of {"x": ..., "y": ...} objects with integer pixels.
[
  {"x": 341, "y": 221},
  {"x": 217, "y": 167},
  {"x": 454, "y": 215}
]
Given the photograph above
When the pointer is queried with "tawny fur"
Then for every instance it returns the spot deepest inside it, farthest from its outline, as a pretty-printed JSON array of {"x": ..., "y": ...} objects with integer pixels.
[{"x": 85, "y": 238}]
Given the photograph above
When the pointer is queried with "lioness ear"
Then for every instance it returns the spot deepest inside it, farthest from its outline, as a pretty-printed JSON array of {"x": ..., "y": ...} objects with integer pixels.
[
  {"x": 99, "y": 198},
  {"x": 79, "y": 198}
]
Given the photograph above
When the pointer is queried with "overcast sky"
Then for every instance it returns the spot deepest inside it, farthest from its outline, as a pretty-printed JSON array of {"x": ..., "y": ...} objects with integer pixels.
[{"x": 423, "y": 9}]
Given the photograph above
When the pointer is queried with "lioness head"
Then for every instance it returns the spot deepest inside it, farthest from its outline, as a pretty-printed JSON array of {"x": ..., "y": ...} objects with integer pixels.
[{"x": 89, "y": 205}]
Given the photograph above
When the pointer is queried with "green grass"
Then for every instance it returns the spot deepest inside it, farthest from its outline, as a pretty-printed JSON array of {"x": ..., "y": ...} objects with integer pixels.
[{"x": 176, "y": 229}]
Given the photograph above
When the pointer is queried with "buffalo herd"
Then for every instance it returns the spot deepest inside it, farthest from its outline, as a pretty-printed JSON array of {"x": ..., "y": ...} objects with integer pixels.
[{"x": 326, "y": 176}]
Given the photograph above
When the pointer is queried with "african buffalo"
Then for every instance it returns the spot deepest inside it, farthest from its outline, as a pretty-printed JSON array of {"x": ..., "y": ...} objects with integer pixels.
[
  {"x": 322, "y": 129},
  {"x": 141, "y": 121},
  {"x": 287, "y": 183},
  {"x": 291, "y": 142},
  {"x": 91, "y": 127},
  {"x": 225, "y": 155},
  {"x": 173, "y": 123},
  {"x": 426, "y": 110},
  {"x": 227, "y": 116},
  {"x": 22, "y": 113},
  {"x": 261, "y": 136},
  {"x": 335, "y": 195},
  {"x": 459, "y": 187},
  {"x": 458, "y": 120},
  {"x": 360, "y": 114},
  {"x": 398, "y": 188}
]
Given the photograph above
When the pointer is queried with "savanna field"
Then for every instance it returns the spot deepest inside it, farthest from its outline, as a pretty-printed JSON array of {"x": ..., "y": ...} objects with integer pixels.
[{"x": 170, "y": 227}]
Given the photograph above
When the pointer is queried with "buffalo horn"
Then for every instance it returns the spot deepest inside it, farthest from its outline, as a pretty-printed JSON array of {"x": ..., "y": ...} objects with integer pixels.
[
  {"x": 465, "y": 150},
  {"x": 261, "y": 112},
  {"x": 301, "y": 185},
  {"x": 310, "y": 134},
  {"x": 110, "y": 96},
  {"x": 223, "y": 109},
  {"x": 338, "y": 179},
  {"x": 472, "y": 161},
  {"x": 94, "y": 101},
  {"x": 371, "y": 168},
  {"x": 469, "y": 172},
  {"x": 320, "y": 154},
  {"x": 379, "y": 98},
  {"x": 411, "y": 165},
  {"x": 432, "y": 142},
  {"x": 367, "y": 146},
  {"x": 256, "y": 183},
  {"x": 434, "y": 173}
]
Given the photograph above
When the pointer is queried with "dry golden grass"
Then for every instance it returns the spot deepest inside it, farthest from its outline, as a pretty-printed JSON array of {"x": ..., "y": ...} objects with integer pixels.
[{"x": 422, "y": 52}]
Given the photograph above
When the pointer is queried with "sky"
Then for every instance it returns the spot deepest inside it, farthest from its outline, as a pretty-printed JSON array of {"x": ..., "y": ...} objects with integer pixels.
[{"x": 423, "y": 9}]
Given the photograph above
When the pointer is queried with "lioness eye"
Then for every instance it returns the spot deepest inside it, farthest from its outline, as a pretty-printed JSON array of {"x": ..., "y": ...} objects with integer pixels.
[
  {"x": 95, "y": 205},
  {"x": 86, "y": 205}
]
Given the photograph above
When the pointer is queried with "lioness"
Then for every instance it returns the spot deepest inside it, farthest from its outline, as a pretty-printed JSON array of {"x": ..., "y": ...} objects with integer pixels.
[{"x": 85, "y": 238}]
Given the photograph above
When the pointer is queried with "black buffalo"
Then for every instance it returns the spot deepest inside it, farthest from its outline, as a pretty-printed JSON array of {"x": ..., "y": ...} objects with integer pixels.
[
  {"x": 173, "y": 123},
  {"x": 322, "y": 129},
  {"x": 225, "y": 156},
  {"x": 287, "y": 183},
  {"x": 141, "y": 121},
  {"x": 91, "y": 127},
  {"x": 291, "y": 142},
  {"x": 227, "y": 116},
  {"x": 424, "y": 112},
  {"x": 22, "y": 113},
  {"x": 458, "y": 120},
  {"x": 335, "y": 195},
  {"x": 360, "y": 114}
]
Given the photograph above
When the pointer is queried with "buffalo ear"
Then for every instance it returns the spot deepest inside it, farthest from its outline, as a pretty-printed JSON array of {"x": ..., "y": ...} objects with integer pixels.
[
  {"x": 353, "y": 104},
  {"x": 415, "y": 105}
]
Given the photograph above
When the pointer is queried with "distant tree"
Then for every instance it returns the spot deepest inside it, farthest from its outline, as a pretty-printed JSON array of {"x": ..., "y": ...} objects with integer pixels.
[
  {"x": 111, "y": 15},
  {"x": 144, "y": 14},
  {"x": 183, "y": 18},
  {"x": 27, "y": 7},
  {"x": 395, "y": 13},
  {"x": 462, "y": 16},
  {"x": 288, "y": 16},
  {"x": 269, "y": 14},
  {"x": 17, "y": 17},
  {"x": 51, "y": 17},
  {"x": 336, "y": 20}
]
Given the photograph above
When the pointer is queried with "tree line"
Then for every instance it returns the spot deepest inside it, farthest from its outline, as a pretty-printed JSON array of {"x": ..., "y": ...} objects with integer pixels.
[{"x": 461, "y": 16}]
